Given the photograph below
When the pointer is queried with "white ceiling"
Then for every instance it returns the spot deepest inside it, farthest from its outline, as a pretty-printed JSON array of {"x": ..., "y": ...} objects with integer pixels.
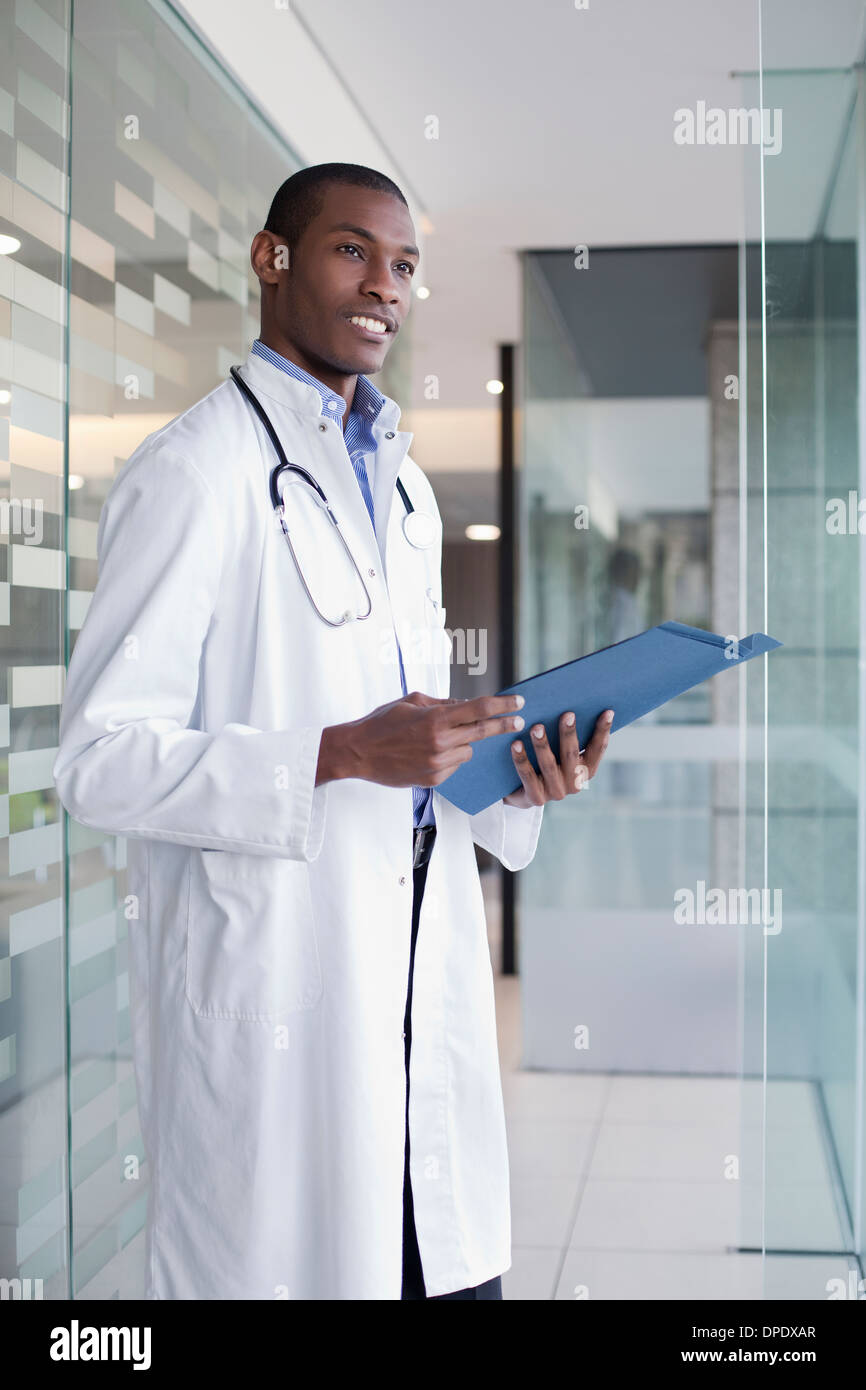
[{"x": 555, "y": 128}]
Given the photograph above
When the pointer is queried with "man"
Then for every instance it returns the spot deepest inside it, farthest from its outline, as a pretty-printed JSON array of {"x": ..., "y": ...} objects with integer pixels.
[{"x": 237, "y": 707}]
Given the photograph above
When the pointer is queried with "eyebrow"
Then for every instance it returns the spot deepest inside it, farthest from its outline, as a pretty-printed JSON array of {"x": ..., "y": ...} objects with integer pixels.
[{"x": 362, "y": 231}]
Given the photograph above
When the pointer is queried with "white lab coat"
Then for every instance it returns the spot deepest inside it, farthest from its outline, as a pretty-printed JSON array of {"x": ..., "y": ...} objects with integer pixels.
[{"x": 269, "y": 959}]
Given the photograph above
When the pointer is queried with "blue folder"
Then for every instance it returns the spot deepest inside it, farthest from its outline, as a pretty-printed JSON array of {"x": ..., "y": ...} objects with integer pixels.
[{"x": 631, "y": 678}]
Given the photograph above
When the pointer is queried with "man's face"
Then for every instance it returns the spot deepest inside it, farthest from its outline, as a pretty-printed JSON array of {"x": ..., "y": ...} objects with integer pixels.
[{"x": 356, "y": 259}]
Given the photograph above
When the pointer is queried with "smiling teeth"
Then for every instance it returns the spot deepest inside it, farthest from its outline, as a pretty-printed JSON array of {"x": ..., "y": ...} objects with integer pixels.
[{"x": 375, "y": 325}]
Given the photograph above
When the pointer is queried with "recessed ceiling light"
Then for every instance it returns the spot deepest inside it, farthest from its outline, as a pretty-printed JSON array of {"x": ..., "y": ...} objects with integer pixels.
[
  {"x": 482, "y": 531},
  {"x": 8, "y": 244},
  {"x": 495, "y": 387},
  {"x": 422, "y": 292},
  {"x": 5, "y": 397}
]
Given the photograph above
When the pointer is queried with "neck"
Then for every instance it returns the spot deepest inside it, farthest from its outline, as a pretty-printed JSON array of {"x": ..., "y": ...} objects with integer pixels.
[{"x": 336, "y": 381}]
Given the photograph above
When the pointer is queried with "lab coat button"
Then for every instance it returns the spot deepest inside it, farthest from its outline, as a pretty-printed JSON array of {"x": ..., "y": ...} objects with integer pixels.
[
  {"x": 323, "y": 427},
  {"x": 402, "y": 879},
  {"x": 372, "y": 573},
  {"x": 389, "y": 434}
]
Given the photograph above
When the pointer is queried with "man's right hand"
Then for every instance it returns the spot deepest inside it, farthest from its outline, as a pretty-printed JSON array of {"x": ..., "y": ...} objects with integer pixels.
[{"x": 416, "y": 741}]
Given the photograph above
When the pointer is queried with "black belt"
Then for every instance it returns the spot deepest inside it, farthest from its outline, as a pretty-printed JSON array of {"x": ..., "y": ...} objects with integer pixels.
[{"x": 422, "y": 844}]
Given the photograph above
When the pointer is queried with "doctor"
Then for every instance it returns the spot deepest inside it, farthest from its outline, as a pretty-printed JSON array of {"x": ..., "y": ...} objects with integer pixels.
[{"x": 236, "y": 708}]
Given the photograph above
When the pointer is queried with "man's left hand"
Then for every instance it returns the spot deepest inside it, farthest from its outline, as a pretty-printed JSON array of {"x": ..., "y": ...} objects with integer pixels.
[{"x": 556, "y": 780}]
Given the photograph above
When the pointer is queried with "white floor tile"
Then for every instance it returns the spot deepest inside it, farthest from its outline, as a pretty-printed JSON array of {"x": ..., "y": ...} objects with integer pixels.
[
  {"x": 549, "y": 1148},
  {"x": 656, "y": 1217},
  {"x": 554, "y": 1095},
  {"x": 542, "y": 1210},
  {"x": 674, "y": 1100},
  {"x": 811, "y": 1277},
  {"x": 631, "y": 1275},
  {"x": 533, "y": 1274},
  {"x": 660, "y": 1216},
  {"x": 652, "y": 1152}
]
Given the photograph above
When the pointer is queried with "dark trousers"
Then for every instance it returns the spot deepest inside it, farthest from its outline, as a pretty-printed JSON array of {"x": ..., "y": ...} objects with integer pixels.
[{"x": 413, "y": 1277}]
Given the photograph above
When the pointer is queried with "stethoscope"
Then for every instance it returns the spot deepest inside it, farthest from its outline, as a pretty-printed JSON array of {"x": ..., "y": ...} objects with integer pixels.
[{"x": 419, "y": 528}]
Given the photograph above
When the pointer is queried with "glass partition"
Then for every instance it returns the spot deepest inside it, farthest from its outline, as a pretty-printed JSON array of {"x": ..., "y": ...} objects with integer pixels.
[
  {"x": 128, "y": 297},
  {"x": 173, "y": 175},
  {"x": 804, "y": 1000},
  {"x": 34, "y": 154},
  {"x": 691, "y": 451}
]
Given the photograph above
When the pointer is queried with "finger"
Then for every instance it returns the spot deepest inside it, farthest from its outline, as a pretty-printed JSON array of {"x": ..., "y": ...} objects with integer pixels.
[
  {"x": 526, "y": 772},
  {"x": 484, "y": 728},
  {"x": 599, "y": 741},
  {"x": 551, "y": 774},
  {"x": 569, "y": 752},
  {"x": 481, "y": 708},
  {"x": 445, "y": 765}
]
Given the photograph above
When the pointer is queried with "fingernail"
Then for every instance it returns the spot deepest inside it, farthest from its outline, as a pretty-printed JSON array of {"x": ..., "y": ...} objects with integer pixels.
[
  {"x": 519, "y": 702},
  {"x": 517, "y": 722},
  {"x": 538, "y": 731},
  {"x": 609, "y": 716},
  {"x": 569, "y": 720},
  {"x": 517, "y": 748}
]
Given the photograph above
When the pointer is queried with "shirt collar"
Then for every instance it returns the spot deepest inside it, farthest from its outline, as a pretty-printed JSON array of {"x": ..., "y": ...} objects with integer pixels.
[{"x": 368, "y": 401}]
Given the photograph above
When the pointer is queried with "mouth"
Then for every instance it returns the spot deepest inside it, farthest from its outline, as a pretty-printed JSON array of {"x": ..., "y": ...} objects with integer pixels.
[{"x": 370, "y": 327}]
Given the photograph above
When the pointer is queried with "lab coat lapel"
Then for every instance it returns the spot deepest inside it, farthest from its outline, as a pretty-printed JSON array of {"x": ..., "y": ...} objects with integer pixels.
[
  {"x": 392, "y": 446},
  {"x": 296, "y": 413}
]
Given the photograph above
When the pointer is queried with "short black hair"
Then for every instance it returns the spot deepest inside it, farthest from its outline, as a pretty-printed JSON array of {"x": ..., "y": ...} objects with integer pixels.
[{"x": 300, "y": 199}]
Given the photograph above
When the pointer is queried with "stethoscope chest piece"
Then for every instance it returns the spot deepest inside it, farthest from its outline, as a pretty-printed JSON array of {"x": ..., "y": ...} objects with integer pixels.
[{"x": 419, "y": 529}]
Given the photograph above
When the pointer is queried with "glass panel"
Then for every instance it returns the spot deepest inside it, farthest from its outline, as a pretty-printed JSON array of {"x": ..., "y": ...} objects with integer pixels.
[
  {"x": 174, "y": 174},
  {"x": 629, "y": 494},
  {"x": 33, "y": 195},
  {"x": 803, "y": 983}
]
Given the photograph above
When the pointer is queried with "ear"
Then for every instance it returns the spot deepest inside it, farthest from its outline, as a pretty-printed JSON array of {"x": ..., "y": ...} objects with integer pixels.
[{"x": 269, "y": 256}]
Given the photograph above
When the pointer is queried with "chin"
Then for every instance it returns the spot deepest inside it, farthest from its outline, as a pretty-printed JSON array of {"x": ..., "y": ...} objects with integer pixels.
[{"x": 365, "y": 362}]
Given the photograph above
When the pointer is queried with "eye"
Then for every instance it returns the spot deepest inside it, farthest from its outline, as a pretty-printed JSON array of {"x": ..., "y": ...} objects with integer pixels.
[
  {"x": 409, "y": 266},
  {"x": 349, "y": 246}
]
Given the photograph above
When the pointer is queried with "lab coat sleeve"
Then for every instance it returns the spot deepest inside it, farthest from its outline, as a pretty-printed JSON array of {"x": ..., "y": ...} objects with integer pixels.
[
  {"x": 508, "y": 832},
  {"x": 129, "y": 763}
]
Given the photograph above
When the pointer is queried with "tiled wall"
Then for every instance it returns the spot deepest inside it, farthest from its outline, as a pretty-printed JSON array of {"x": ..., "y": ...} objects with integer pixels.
[
  {"x": 34, "y": 153},
  {"x": 128, "y": 299}
]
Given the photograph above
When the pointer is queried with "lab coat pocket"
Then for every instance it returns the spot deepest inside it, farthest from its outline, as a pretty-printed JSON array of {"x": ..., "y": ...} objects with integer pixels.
[{"x": 251, "y": 949}]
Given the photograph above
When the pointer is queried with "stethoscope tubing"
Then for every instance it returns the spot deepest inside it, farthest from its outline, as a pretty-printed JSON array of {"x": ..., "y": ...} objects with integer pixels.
[{"x": 279, "y": 506}]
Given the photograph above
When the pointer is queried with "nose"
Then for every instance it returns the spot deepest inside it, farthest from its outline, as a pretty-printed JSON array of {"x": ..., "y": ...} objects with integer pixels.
[{"x": 379, "y": 283}]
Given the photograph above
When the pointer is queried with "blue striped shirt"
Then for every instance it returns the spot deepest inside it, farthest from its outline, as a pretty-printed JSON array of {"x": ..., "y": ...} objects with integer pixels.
[{"x": 361, "y": 447}]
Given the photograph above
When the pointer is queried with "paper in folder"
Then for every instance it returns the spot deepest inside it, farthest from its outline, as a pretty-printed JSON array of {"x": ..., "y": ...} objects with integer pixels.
[{"x": 631, "y": 678}]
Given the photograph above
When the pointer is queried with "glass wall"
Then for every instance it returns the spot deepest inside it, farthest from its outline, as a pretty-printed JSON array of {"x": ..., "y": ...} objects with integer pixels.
[
  {"x": 34, "y": 165},
  {"x": 692, "y": 451},
  {"x": 128, "y": 298},
  {"x": 804, "y": 996},
  {"x": 172, "y": 176},
  {"x": 621, "y": 456}
]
